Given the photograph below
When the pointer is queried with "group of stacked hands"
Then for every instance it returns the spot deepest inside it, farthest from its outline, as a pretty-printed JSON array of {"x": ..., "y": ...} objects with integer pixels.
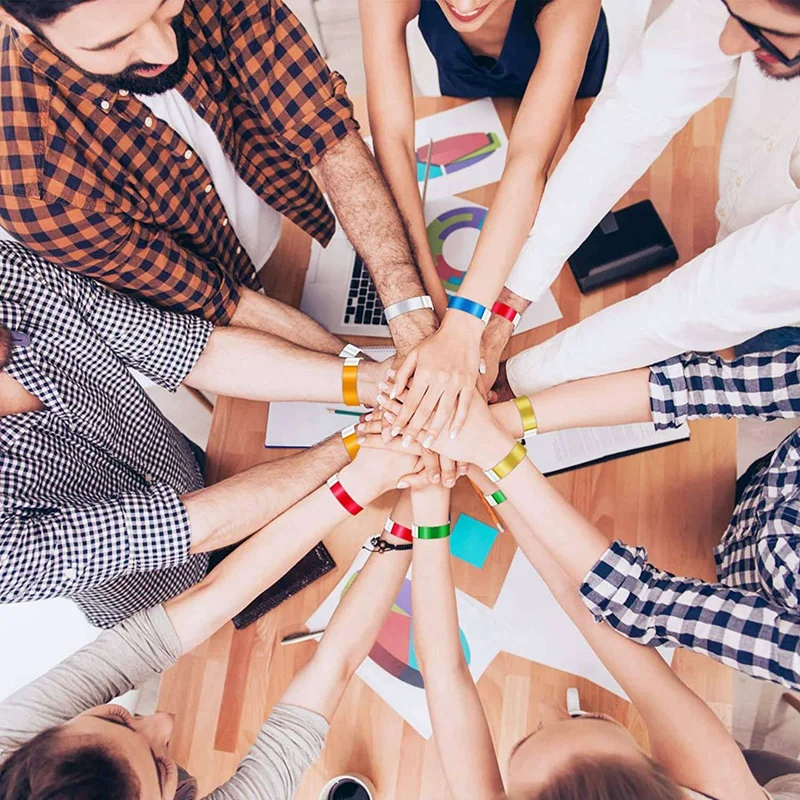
[{"x": 104, "y": 501}]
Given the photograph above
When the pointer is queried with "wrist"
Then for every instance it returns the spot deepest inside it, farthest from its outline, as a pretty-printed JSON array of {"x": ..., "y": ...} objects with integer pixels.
[
  {"x": 411, "y": 329},
  {"x": 497, "y": 334},
  {"x": 362, "y": 485},
  {"x": 463, "y": 325},
  {"x": 494, "y": 448}
]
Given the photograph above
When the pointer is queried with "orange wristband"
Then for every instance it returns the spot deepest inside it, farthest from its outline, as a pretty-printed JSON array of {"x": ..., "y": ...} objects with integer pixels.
[
  {"x": 350, "y": 381},
  {"x": 350, "y": 440}
]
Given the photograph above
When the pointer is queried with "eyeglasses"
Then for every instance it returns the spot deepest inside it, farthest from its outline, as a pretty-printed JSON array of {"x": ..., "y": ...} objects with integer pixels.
[{"x": 755, "y": 33}]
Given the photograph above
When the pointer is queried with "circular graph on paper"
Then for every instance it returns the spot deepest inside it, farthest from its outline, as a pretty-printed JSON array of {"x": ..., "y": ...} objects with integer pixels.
[
  {"x": 393, "y": 650},
  {"x": 440, "y": 229}
]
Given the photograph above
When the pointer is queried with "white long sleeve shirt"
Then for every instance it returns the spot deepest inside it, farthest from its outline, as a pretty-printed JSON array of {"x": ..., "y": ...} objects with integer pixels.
[{"x": 749, "y": 281}]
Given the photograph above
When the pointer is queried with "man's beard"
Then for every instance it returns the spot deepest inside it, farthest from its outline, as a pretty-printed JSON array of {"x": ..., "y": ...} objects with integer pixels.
[
  {"x": 781, "y": 76},
  {"x": 129, "y": 81},
  {"x": 6, "y": 347}
]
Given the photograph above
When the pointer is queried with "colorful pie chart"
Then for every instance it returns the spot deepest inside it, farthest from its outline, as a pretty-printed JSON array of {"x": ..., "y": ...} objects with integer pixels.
[
  {"x": 393, "y": 650},
  {"x": 456, "y": 153},
  {"x": 445, "y": 225}
]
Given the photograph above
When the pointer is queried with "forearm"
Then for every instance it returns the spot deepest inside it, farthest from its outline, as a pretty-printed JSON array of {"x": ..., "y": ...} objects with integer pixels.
[
  {"x": 262, "y": 313},
  {"x": 367, "y": 212},
  {"x": 353, "y": 628},
  {"x": 397, "y": 160},
  {"x": 617, "y": 399},
  {"x": 232, "y": 509},
  {"x": 268, "y": 555}
]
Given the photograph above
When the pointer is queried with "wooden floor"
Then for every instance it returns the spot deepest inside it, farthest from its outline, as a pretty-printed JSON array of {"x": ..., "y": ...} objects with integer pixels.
[{"x": 676, "y": 501}]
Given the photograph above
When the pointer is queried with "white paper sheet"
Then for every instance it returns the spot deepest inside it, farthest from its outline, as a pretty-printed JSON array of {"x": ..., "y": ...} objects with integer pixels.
[
  {"x": 401, "y": 693},
  {"x": 454, "y": 226},
  {"x": 533, "y": 625},
  {"x": 559, "y": 450}
]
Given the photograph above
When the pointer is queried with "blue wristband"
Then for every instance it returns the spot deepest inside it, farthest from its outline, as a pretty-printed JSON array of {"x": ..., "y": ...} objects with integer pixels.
[{"x": 470, "y": 307}]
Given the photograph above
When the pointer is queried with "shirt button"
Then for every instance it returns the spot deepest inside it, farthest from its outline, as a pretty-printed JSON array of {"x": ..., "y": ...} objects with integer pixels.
[
  {"x": 239, "y": 250},
  {"x": 123, "y": 93},
  {"x": 188, "y": 154},
  {"x": 148, "y": 479},
  {"x": 225, "y": 223},
  {"x": 148, "y": 122},
  {"x": 105, "y": 105},
  {"x": 70, "y": 573},
  {"x": 209, "y": 188}
]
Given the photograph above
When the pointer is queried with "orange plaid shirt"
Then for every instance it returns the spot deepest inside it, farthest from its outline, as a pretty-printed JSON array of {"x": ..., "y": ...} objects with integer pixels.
[{"x": 92, "y": 180}]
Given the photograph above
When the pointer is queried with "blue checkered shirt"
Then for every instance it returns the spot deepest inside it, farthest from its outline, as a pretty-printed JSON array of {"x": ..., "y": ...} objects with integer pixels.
[
  {"x": 750, "y": 619},
  {"x": 89, "y": 487}
]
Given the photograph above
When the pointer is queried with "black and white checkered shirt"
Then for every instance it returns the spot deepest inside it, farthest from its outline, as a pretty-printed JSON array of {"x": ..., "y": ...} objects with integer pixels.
[
  {"x": 89, "y": 487},
  {"x": 750, "y": 620}
]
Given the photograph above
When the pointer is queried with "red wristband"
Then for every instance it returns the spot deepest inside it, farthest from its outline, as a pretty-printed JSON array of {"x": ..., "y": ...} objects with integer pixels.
[
  {"x": 341, "y": 495},
  {"x": 398, "y": 530},
  {"x": 506, "y": 312}
]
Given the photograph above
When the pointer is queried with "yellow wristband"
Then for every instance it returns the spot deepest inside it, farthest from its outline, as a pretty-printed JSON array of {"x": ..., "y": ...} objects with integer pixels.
[
  {"x": 351, "y": 441},
  {"x": 508, "y": 464},
  {"x": 350, "y": 381},
  {"x": 528, "y": 415}
]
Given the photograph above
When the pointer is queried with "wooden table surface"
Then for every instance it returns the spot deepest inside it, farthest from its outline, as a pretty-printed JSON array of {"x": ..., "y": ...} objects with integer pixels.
[{"x": 676, "y": 501}]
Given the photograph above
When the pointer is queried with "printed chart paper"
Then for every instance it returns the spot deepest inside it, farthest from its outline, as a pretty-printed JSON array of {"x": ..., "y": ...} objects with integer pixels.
[
  {"x": 469, "y": 148},
  {"x": 391, "y": 669},
  {"x": 533, "y": 625},
  {"x": 453, "y": 227}
]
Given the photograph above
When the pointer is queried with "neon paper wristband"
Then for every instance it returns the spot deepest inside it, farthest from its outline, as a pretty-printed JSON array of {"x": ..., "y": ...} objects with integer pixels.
[
  {"x": 350, "y": 441},
  {"x": 398, "y": 530},
  {"x": 431, "y": 531},
  {"x": 470, "y": 307},
  {"x": 350, "y": 381},
  {"x": 528, "y": 415},
  {"x": 506, "y": 312},
  {"x": 340, "y": 493},
  {"x": 495, "y": 498},
  {"x": 507, "y": 465}
]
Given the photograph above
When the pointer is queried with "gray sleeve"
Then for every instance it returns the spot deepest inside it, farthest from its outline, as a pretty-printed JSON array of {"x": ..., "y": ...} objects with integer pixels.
[
  {"x": 116, "y": 662},
  {"x": 290, "y": 741}
]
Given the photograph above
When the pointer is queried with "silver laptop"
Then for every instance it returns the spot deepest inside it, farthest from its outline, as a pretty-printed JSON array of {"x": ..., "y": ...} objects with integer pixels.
[{"x": 339, "y": 293}]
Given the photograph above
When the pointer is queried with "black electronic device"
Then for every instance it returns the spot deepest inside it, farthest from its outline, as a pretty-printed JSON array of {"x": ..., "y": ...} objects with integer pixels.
[{"x": 627, "y": 242}]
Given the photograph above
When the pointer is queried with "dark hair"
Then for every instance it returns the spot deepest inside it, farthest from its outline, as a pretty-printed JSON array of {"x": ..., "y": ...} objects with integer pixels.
[
  {"x": 606, "y": 779},
  {"x": 45, "y": 769},
  {"x": 6, "y": 346},
  {"x": 34, "y": 13}
]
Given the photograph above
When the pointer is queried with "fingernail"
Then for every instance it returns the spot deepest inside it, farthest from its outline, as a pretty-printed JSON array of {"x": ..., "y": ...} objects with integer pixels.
[
  {"x": 368, "y": 417},
  {"x": 402, "y": 485},
  {"x": 391, "y": 373},
  {"x": 382, "y": 400},
  {"x": 428, "y": 442},
  {"x": 453, "y": 433},
  {"x": 406, "y": 440},
  {"x": 436, "y": 478},
  {"x": 389, "y": 416},
  {"x": 392, "y": 393},
  {"x": 360, "y": 426},
  {"x": 482, "y": 368},
  {"x": 395, "y": 431},
  {"x": 384, "y": 387},
  {"x": 449, "y": 483},
  {"x": 462, "y": 470}
]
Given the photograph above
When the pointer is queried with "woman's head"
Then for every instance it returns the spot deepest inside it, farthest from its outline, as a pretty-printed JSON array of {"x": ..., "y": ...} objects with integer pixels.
[
  {"x": 590, "y": 757},
  {"x": 103, "y": 753}
]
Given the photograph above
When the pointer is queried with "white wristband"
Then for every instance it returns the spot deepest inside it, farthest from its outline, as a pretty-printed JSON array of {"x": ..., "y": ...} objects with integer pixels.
[
  {"x": 351, "y": 351},
  {"x": 404, "y": 306}
]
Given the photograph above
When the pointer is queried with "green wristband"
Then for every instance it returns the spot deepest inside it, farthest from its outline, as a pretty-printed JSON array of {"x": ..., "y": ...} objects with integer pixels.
[
  {"x": 431, "y": 531},
  {"x": 496, "y": 498}
]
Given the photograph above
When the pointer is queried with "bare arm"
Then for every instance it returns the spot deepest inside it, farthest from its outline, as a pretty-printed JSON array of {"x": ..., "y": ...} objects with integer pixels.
[
  {"x": 462, "y": 733},
  {"x": 686, "y": 737},
  {"x": 268, "y": 555},
  {"x": 352, "y": 631},
  {"x": 262, "y": 313},
  {"x": 390, "y": 103},
  {"x": 250, "y": 364},
  {"x": 369, "y": 217}
]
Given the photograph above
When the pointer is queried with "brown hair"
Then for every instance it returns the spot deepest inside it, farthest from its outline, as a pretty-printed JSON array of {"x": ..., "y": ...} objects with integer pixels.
[
  {"x": 606, "y": 779},
  {"x": 44, "y": 769}
]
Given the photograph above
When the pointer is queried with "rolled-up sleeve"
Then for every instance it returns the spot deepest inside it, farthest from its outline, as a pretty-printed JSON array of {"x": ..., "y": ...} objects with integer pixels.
[
  {"x": 301, "y": 99},
  {"x": 741, "y": 629},
  {"x": 73, "y": 549},
  {"x": 694, "y": 385}
]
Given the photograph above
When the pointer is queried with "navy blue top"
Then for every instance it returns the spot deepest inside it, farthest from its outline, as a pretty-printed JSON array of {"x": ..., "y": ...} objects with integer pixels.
[{"x": 462, "y": 74}]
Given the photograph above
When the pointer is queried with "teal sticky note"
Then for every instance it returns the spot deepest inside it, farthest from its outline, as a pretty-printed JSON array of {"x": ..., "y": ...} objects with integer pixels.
[{"x": 471, "y": 540}]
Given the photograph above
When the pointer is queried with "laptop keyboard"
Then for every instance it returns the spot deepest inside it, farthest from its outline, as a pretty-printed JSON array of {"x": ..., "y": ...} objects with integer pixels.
[{"x": 364, "y": 307}]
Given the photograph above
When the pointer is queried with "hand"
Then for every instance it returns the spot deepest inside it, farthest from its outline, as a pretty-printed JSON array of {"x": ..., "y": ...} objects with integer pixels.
[
  {"x": 440, "y": 375},
  {"x": 379, "y": 471},
  {"x": 372, "y": 379}
]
